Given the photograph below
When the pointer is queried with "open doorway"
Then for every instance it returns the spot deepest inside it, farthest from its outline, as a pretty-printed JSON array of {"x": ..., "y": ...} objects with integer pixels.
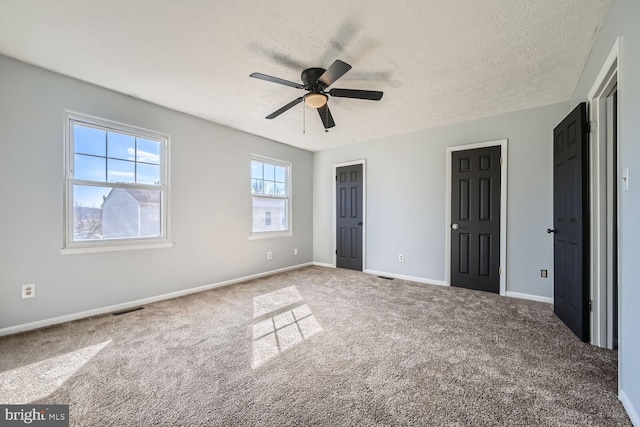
[{"x": 605, "y": 175}]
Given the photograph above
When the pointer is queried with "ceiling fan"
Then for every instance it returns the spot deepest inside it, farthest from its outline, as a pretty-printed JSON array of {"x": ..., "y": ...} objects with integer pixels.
[{"x": 316, "y": 81}]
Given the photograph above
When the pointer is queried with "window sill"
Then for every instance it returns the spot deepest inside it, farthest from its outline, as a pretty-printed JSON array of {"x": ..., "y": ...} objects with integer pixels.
[
  {"x": 115, "y": 247},
  {"x": 258, "y": 236}
]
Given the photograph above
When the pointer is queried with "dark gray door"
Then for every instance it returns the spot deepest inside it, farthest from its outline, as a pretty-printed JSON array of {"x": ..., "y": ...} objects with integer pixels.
[
  {"x": 475, "y": 219},
  {"x": 349, "y": 185},
  {"x": 571, "y": 222}
]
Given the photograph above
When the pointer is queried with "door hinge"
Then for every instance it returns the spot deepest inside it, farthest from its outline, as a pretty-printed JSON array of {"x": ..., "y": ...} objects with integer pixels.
[
  {"x": 590, "y": 305},
  {"x": 501, "y": 160},
  {"x": 592, "y": 126},
  {"x": 499, "y": 271},
  {"x": 336, "y": 177},
  {"x": 336, "y": 252}
]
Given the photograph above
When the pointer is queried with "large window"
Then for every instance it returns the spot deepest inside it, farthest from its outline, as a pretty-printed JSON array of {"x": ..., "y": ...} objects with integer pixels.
[
  {"x": 116, "y": 184},
  {"x": 270, "y": 189}
]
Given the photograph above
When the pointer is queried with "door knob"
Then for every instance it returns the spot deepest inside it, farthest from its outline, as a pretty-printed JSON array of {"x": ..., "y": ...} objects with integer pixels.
[
  {"x": 454, "y": 226},
  {"x": 549, "y": 230},
  {"x": 360, "y": 223}
]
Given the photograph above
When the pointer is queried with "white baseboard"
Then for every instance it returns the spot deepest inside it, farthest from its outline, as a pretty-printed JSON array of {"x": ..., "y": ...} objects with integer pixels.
[
  {"x": 324, "y": 264},
  {"x": 102, "y": 310},
  {"x": 409, "y": 278},
  {"x": 628, "y": 406},
  {"x": 529, "y": 297}
]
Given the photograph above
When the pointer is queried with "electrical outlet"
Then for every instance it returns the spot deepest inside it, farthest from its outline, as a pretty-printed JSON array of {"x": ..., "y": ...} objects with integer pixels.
[
  {"x": 543, "y": 273},
  {"x": 29, "y": 291},
  {"x": 269, "y": 255},
  {"x": 401, "y": 257},
  {"x": 295, "y": 251}
]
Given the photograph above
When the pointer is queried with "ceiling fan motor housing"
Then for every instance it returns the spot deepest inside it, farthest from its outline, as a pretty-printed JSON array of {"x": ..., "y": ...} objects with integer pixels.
[{"x": 310, "y": 78}]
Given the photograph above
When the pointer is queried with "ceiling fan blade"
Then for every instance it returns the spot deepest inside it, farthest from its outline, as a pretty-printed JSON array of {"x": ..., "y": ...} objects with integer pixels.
[
  {"x": 372, "y": 95},
  {"x": 285, "y": 108},
  {"x": 276, "y": 80},
  {"x": 334, "y": 72},
  {"x": 325, "y": 116}
]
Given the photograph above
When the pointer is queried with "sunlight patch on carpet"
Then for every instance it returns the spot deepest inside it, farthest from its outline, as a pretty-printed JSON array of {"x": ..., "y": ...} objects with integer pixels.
[
  {"x": 275, "y": 300},
  {"x": 28, "y": 383},
  {"x": 289, "y": 321}
]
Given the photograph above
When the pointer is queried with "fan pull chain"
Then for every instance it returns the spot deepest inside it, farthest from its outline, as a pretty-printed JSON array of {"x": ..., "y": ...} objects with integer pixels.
[
  {"x": 304, "y": 118},
  {"x": 327, "y": 117}
]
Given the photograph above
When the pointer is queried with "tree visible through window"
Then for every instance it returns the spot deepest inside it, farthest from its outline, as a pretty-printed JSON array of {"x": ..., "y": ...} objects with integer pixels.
[
  {"x": 270, "y": 193},
  {"x": 116, "y": 181}
]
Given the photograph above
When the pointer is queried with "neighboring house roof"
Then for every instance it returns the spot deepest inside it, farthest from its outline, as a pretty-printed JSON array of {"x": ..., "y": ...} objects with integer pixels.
[
  {"x": 145, "y": 196},
  {"x": 141, "y": 196}
]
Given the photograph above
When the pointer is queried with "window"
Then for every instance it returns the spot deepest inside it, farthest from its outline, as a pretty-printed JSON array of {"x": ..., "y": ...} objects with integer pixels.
[
  {"x": 116, "y": 184},
  {"x": 270, "y": 192}
]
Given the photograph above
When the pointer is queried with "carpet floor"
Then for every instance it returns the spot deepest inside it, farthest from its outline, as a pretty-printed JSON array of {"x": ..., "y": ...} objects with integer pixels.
[{"x": 318, "y": 346}]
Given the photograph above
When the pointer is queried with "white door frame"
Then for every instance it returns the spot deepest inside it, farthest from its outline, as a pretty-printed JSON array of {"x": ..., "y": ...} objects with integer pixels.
[
  {"x": 600, "y": 284},
  {"x": 502, "y": 143},
  {"x": 362, "y": 162}
]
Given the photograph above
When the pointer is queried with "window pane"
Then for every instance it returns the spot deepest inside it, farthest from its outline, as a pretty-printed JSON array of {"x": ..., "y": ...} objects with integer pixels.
[
  {"x": 256, "y": 169},
  {"x": 90, "y": 168},
  {"x": 257, "y": 186},
  {"x": 278, "y": 214},
  {"x": 121, "y": 171},
  {"x": 280, "y": 189},
  {"x": 148, "y": 174},
  {"x": 268, "y": 187},
  {"x": 269, "y": 172},
  {"x": 281, "y": 173},
  {"x": 88, "y": 196},
  {"x": 87, "y": 211},
  {"x": 115, "y": 213},
  {"x": 89, "y": 140},
  {"x": 121, "y": 146},
  {"x": 148, "y": 151}
]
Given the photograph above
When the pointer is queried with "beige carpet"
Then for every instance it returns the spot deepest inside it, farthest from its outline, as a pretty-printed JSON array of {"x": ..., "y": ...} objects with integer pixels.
[{"x": 318, "y": 346}]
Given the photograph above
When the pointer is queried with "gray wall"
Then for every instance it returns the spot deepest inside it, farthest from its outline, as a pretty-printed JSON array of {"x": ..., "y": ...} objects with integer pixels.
[
  {"x": 210, "y": 202},
  {"x": 624, "y": 19},
  {"x": 406, "y": 197}
]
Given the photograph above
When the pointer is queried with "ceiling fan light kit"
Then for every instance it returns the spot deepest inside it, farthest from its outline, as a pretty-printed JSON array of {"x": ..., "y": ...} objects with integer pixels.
[
  {"x": 316, "y": 81},
  {"x": 316, "y": 100}
]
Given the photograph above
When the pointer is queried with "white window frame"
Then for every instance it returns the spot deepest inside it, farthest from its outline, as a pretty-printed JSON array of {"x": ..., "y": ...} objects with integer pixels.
[
  {"x": 116, "y": 244},
  {"x": 253, "y": 235}
]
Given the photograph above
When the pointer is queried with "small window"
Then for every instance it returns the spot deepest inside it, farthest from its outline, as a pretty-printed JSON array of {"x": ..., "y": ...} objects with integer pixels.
[
  {"x": 116, "y": 183},
  {"x": 271, "y": 196}
]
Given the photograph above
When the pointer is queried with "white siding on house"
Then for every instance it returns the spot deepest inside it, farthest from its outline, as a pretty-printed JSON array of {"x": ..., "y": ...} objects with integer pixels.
[
  {"x": 277, "y": 218},
  {"x": 126, "y": 214},
  {"x": 119, "y": 215}
]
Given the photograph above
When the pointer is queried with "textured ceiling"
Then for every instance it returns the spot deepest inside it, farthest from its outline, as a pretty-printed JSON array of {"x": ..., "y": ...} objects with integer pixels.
[{"x": 438, "y": 62}]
